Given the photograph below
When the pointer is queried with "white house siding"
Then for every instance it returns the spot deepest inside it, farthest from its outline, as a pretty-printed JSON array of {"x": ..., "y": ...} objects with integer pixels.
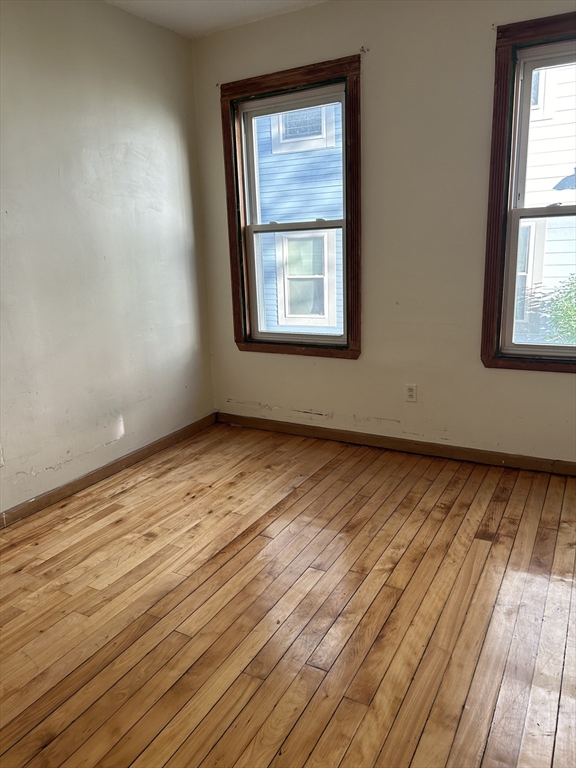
[
  {"x": 551, "y": 158},
  {"x": 552, "y": 139},
  {"x": 559, "y": 251}
]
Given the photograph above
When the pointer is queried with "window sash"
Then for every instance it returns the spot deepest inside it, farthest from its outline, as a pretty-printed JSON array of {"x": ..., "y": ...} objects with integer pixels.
[
  {"x": 256, "y": 283},
  {"x": 529, "y": 60},
  {"x": 509, "y": 304},
  {"x": 316, "y": 97}
]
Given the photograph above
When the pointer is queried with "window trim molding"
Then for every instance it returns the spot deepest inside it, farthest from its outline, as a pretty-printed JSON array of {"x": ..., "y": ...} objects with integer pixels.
[
  {"x": 509, "y": 38},
  {"x": 345, "y": 70}
]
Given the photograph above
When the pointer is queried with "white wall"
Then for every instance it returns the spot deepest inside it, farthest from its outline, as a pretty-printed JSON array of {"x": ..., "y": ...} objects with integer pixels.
[
  {"x": 427, "y": 83},
  {"x": 104, "y": 347}
]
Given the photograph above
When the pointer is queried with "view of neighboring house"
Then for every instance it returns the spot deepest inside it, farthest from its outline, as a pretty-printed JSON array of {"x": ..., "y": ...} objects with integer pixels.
[{"x": 299, "y": 171}]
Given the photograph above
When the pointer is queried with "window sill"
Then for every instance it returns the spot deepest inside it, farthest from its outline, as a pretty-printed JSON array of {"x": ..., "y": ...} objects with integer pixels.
[
  {"x": 529, "y": 364},
  {"x": 294, "y": 349}
]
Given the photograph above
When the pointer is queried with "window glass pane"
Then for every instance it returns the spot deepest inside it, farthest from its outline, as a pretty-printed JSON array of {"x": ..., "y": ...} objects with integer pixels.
[
  {"x": 306, "y": 296},
  {"x": 551, "y": 159},
  {"x": 300, "y": 185},
  {"x": 299, "y": 303},
  {"x": 305, "y": 256},
  {"x": 545, "y": 292}
]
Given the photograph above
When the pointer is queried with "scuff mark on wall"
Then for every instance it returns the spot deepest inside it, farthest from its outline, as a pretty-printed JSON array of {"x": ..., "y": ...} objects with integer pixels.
[
  {"x": 309, "y": 413},
  {"x": 253, "y": 404},
  {"x": 362, "y": 421},
  {"x": 59, "y": 464}
]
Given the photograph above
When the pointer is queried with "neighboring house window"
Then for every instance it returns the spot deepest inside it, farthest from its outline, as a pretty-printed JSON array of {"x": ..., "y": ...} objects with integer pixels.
[
  {"x": 303, "y": 129},
  {"x": 530, "y": 289},
  {"x": 306, "y": 278},
  {"x": 537, "y": 90},
  {"x": 292, "y": 155},
  {"x": 524, "y": 268}
]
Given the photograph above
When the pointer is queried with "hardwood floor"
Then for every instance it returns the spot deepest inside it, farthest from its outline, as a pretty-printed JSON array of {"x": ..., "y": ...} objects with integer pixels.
[{"x": 255, "y": 599}]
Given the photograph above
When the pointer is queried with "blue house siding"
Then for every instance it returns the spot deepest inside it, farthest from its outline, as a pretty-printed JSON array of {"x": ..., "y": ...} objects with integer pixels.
[{"x": 292, "y": 187}]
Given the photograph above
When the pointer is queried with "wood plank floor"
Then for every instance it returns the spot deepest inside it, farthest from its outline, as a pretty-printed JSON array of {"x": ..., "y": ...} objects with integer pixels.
[{"x": 255, "y": 599}]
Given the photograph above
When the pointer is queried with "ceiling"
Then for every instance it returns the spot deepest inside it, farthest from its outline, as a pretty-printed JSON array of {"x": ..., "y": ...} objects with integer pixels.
[{"x": 195, "y": 18}]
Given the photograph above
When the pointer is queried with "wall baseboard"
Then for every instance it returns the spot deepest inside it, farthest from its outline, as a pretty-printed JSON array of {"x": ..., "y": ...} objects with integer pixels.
[
  {"x": 27, "y": 508},
  {"x": 454, "y": 452},
  {"x": 400, "y": 444}
]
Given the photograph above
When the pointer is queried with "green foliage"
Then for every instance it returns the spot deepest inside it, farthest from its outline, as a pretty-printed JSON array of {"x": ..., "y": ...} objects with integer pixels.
[{"x": 561, "y": 311}]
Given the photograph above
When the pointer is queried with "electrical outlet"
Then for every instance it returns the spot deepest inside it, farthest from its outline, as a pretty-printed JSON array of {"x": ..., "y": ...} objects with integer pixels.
[{"x": 411, "y": 393}]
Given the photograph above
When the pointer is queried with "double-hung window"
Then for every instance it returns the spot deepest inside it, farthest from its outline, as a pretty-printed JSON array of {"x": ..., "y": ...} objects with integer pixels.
[
  {"x": 530, "y": 288},
  {"x": 291, "y": 144}
]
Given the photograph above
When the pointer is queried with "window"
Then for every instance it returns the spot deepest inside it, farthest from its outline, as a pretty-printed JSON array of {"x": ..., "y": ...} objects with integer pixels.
[
  {"x": 292, "y": 159},
  {"x": 301, "y": 130},
  {"x": 530, "y": 288},
  {"x": 306, "y": 279}
]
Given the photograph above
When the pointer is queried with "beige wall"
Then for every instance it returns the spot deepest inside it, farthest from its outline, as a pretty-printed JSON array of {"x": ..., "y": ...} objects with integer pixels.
[
  {"x": 426, "y": 115},
  {"x": 104, "y": 344},
  {"x": 104, "y": 303}
]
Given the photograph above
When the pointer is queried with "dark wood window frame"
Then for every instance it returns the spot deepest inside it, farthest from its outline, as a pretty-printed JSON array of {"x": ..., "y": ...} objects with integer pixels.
[
  {"x": 510, "y": 38},
  {"x": 346, "y": 70}
]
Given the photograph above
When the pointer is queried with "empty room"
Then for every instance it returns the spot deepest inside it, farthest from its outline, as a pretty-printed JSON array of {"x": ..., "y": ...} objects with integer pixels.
[{"x": 288, "y": 405}]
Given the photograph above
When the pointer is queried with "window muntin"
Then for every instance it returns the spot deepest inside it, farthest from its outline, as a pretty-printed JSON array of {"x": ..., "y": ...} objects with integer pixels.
[{"x": 541, "y": 202}]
